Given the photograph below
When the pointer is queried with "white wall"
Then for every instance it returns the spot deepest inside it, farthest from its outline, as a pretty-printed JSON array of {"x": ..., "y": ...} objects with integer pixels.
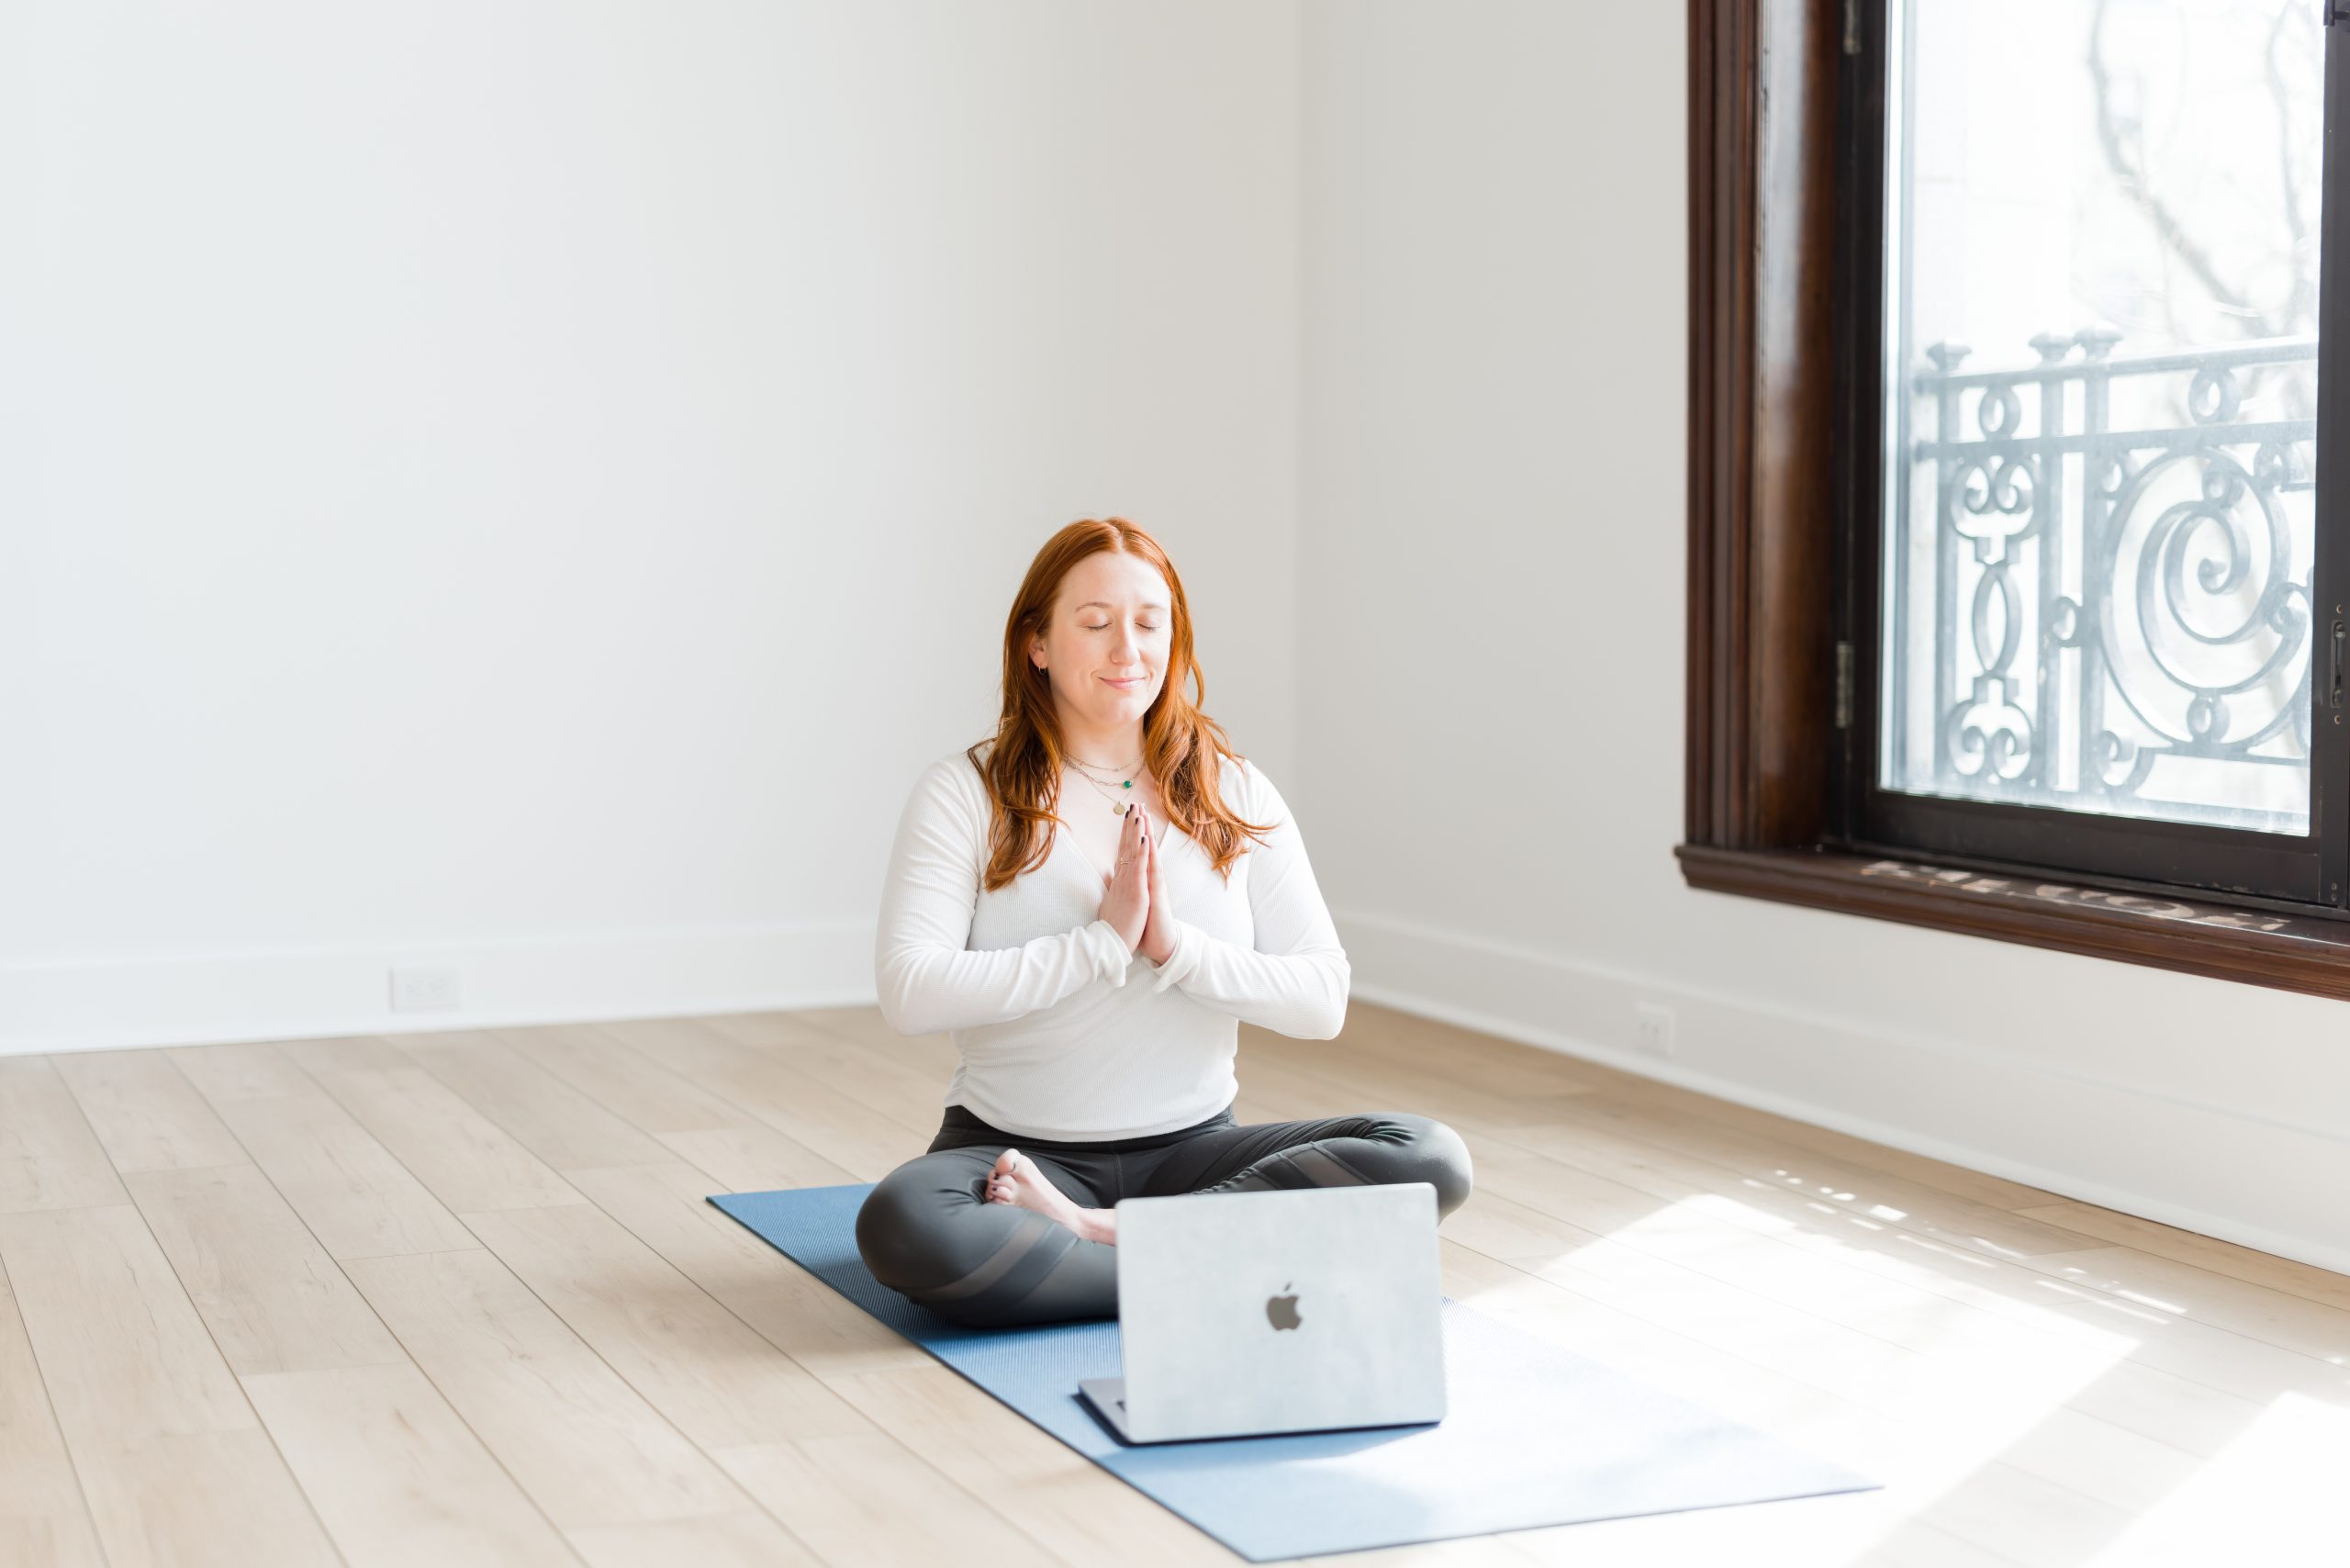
[
  {"x": 527, "y": 485},
  {"x": 1491, "y": 673}
]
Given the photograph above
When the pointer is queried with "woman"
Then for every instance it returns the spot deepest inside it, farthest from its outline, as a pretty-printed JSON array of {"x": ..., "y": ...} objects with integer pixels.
[{"x": 1013, "y": 925}]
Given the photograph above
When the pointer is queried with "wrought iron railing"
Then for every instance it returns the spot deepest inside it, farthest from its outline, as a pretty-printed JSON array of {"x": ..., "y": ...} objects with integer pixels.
[{"x": 2110, "y": 591}]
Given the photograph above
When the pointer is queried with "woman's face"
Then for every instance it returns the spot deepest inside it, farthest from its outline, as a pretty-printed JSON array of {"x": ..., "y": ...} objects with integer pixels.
[{"x": 1106, "y": 638}]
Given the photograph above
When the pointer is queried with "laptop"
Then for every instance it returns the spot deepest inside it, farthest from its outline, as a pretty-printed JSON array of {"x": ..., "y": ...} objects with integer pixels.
[{"x": 1302, "y": 1310}]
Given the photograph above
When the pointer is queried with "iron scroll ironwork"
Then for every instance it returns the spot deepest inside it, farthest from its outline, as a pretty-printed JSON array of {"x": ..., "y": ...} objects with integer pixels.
[{"x": 2108, "y": 594}]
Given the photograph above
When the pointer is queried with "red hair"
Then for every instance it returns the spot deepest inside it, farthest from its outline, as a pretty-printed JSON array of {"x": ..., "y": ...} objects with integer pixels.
[{"x": 1183, "y": 748}]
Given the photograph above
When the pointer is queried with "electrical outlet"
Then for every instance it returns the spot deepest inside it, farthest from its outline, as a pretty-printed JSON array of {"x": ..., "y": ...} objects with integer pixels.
[
  {"x": 1652, "y": 1028},
  {"x": 421, "y": 990}
]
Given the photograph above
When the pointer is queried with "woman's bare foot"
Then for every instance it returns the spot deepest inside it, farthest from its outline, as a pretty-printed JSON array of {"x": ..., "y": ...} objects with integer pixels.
[{"x": 1016, "y": 1180}]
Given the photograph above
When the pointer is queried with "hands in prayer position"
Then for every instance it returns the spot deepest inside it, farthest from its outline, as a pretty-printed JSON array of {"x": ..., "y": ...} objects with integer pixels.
[{"x": 1134, "y": 896}]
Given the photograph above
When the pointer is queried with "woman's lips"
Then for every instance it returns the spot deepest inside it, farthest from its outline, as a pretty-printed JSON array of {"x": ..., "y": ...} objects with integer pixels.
[{"x": 1123, "y": 684}]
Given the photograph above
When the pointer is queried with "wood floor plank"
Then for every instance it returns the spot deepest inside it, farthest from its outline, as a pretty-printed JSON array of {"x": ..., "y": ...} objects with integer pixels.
[
  {"x": 44, "y": 1518},
  {"x": 2275, "y": 1495},
  {"x": 560, "y": 1124},
  {"x": 1402, "y": 1038},
  {"x": 1961, "y": 1220},
  {"x": 935, "y": 1054},
  {"x": 749, "y": 1539},
  {"x": 2231, "y": 1258},
  {"x": 48, "y": 1157},
  {"x": 907, "y": 1092},
  {"x": 123, "y": 1350},
  {"x": 274, "y": 1299},
  {"x": 1374, "y": 1083},
  {"x": 399, "y": 1478},
  {"x": 148, "y": 1116},
  {"x": 864, "y": 1500},
  {"x": 668, "y": 1208},
  {"x": 172, "y": 1459},
  {"x": 462, "y": 1156},
  {"x": 1055, "y": 1494},
  {"x": 246, "y": 1070},
  {"x": 1592, "y": 1138},
  {"x": 1506, "y": 1067},
  {"x": 588, "y": 1058},
  {"x": 709, "y": 1372},
  {"x": 743, "y": 1400},
  {"x": 1975, "y": 1186},
  {"x": 818, "y": 1117},
  {"x": 585, "y": 1446},
  {"x": 740, "y": 1152},
  {"x": 354, "y": 1195},
  {"x": 2281, "y": 1319},
  {"x": 1598, "y": 1125},
  {"x": 755, "y": 1159},
  {"x": 200, "y": 1500}
]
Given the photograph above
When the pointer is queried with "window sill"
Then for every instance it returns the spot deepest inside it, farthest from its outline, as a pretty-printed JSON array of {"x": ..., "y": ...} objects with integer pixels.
[{"x": 2261, "y": 946}]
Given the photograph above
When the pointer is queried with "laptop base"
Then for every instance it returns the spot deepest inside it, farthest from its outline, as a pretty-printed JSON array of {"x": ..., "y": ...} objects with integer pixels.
[{"x": 1107, "y": 1395}]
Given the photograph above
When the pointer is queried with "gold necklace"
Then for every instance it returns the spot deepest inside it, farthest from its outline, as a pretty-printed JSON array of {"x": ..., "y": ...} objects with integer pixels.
[{"x": 1119, "y": 805}]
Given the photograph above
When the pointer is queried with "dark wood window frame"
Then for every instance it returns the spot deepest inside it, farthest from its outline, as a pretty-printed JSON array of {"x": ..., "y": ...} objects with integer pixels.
[{"x": 1766, "y": 781}]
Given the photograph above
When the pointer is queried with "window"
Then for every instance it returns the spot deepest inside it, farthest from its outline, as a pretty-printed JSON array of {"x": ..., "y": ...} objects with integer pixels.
[
  {"x": 2020, "y": 471},
  {"x": 2091, "y": 418}
]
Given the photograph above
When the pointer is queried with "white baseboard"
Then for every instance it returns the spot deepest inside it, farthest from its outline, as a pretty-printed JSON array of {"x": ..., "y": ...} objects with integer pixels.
[
  {"x": 209, "y": 999},
  {"x": 2241, "y": 1177}
]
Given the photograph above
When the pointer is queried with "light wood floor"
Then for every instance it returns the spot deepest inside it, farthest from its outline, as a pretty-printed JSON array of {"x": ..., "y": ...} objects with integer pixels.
[{"x": 457, "y": 1298}]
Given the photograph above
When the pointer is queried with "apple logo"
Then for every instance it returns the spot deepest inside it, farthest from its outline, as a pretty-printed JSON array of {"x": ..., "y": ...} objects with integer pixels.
[{"x": 1280, "y": 1311}]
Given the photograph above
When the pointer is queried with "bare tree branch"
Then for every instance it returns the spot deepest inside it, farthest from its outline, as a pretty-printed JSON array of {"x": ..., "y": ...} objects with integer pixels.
[
  {"x": 2300, "y": 300},
  {"x": 2134, "y": 184}
]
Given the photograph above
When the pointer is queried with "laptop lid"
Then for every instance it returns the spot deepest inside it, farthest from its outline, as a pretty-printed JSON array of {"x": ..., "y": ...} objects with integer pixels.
[{"x": 1298, "y": 1310}]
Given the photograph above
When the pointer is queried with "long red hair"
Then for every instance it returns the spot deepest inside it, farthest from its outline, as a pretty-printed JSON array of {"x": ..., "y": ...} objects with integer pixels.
[{"x": 1183, "y": 750}]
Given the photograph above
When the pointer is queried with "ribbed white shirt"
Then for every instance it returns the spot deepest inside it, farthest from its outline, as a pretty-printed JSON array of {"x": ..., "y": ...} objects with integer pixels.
[{"x": 1032, "y": 985}]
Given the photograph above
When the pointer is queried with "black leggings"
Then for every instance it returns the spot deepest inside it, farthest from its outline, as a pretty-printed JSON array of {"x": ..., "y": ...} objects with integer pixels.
[{"x": 927, "y": 1231}]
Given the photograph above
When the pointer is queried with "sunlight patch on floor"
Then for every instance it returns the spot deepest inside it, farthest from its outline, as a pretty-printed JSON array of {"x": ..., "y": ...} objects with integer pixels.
[
  {"x": 2298, "y": 1448},
  {"x": 2051, "y": 1351}
]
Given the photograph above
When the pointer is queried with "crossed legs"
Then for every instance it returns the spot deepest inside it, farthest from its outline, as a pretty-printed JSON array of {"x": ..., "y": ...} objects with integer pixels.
[{"x": 928, "y": 1231}]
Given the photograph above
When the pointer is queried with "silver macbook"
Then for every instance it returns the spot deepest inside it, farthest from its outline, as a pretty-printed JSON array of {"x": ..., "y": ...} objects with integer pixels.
[{"x": 1304, "y": 1310}]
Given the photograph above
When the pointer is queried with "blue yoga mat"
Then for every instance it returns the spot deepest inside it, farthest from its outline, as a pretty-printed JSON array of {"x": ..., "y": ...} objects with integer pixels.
[{"x": 1535, "y": 1436}]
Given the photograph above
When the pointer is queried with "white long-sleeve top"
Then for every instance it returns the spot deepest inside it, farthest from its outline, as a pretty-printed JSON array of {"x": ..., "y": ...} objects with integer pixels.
[{"x": 1033, "y": 986}]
